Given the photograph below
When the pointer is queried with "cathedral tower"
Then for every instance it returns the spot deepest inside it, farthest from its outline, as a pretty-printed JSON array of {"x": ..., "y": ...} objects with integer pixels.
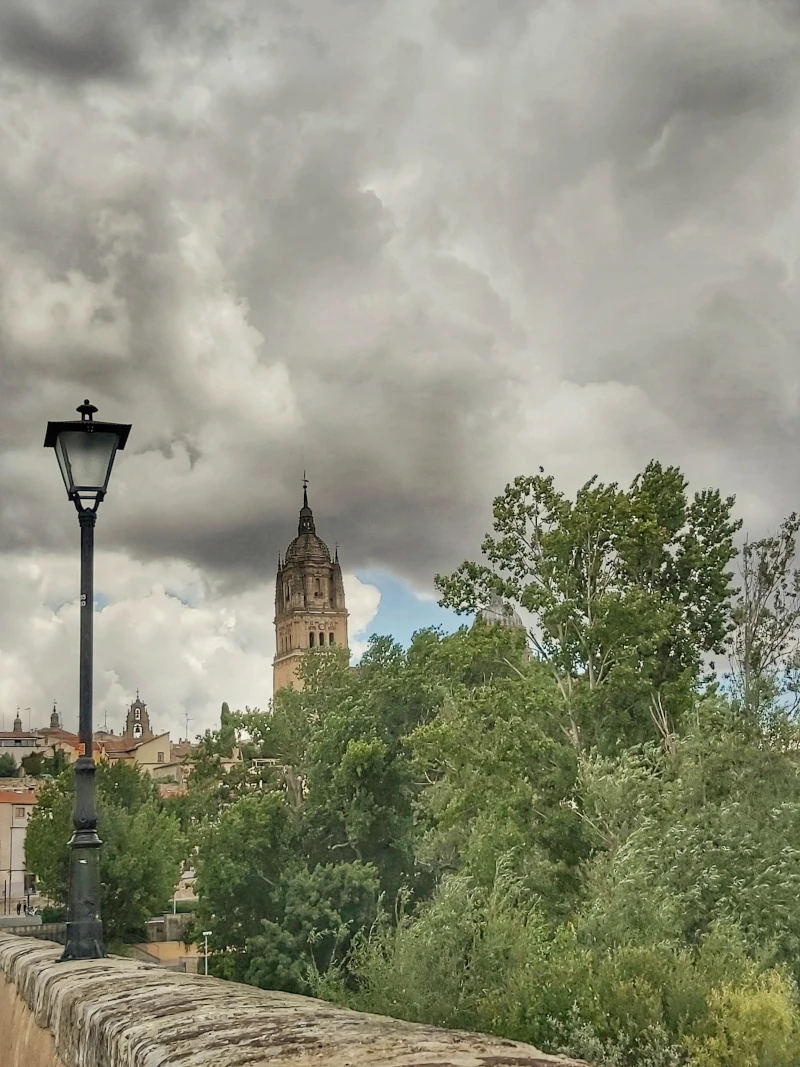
[{"x": 309, "y": 601}]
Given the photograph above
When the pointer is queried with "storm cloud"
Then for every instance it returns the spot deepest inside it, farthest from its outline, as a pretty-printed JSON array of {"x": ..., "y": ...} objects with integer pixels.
[{"x": 413, "y": 247}]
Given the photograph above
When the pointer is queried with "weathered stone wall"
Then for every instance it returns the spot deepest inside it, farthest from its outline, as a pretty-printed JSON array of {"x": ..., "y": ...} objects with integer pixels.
[
  {"x": 22, "y": 1042},
  {"x": 121, "y": 1013}
]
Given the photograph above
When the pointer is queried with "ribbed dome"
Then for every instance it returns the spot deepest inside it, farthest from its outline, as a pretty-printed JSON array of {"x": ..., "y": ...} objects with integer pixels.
[
  {"x": 307, "y": 546},
  {"x": 501, "y": 614}
]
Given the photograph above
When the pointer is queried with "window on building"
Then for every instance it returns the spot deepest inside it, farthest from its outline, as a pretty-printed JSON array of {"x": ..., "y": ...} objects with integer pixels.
[
  {"x": 19, "y": 812},
  {"x": 137, "y": 730},
  {"x": 330, "y": 639},
  {"x": 311, "y": 639},
  {"x": 161, "y": 757},
  {"x": 286, "y": 591},
  {"x": 137, "y": 714},
  {"x": 317, "y": 588}
]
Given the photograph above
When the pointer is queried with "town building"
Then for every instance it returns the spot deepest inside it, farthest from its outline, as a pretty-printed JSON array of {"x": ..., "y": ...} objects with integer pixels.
[
  {"x": 16, "y": 806},
  {"x": 19, "y": 743},
  {"x": 139, "y": 746},
  {"x": 310, "y": 609}
]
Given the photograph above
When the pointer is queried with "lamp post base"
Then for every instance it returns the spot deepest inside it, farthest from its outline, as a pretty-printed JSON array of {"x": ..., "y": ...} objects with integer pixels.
[
  {"x": 84, "y": 928},
  {"x": 84, "y": 941}
]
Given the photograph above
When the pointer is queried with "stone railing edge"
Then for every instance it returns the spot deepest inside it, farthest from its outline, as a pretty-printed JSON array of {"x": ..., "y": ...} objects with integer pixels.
[{"x": 120, "y": 1013}]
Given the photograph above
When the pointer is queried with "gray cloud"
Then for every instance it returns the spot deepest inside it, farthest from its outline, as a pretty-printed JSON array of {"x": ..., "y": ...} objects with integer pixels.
[
  {"x": 413, "y": 247},
  {"x": 74, "y": 43}
]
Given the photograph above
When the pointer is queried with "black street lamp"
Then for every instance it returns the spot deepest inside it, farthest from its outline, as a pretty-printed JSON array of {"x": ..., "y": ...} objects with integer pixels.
[{"x": 85, "y": 452}]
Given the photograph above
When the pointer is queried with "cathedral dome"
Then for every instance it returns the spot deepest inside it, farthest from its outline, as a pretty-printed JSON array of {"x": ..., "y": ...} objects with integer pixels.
[
  {"x": 307, "y": 546},
  {"x": 498, "y": 612}
]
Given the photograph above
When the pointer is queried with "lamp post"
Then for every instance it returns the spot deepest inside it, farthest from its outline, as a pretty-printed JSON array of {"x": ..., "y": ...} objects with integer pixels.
[
  {"x": 206, "y": 935},
  {"x": 85, "y": 451}
]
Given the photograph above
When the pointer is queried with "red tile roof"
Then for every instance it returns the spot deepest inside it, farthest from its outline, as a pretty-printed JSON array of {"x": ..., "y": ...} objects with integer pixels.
[
  {"x": 119, "y": 744},
  {"x": 28, "y": 797}
]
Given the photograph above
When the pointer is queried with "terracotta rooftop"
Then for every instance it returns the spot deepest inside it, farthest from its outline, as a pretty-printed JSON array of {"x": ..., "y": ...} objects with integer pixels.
[
  {"x": 28, "y": 797},
  {"x": 119, "y": 744}
]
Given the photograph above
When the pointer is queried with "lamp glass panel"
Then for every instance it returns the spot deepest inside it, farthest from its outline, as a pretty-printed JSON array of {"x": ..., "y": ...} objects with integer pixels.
[
  {"x": 85, "y": 459},
  {"x": 63, "y": 464}
]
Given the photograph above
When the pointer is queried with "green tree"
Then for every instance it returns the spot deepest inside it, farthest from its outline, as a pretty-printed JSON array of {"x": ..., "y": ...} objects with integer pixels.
[
  {"x": 629, "y": 590},
  {"x": 239, "y": 867},
  {"x": 764, "y": 646},
  {"x": 142, "y": 847},
  {"x": 499, "y": 779},
  {"x": 8, "y": 766}
]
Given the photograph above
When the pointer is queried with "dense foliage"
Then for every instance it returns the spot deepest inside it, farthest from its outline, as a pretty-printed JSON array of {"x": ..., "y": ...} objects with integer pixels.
[
  {"x": 586, "y": 837},
  {"x": 142, "y": 850}
]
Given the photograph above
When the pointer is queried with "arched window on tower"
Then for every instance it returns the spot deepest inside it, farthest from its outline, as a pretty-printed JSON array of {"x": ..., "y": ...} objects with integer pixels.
[
  {"x": 317, "y": 588},
  {"x": 286, "y": 593},
  {"x": 137, "y": 714},
  {"x": 330, "y": 639},
  {"x": 321, "y": 639},
  {"x": 311, "y": 639}
]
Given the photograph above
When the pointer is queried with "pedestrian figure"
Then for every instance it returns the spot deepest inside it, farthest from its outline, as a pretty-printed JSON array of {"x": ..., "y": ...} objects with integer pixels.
[{"x": 19, "y": 908}]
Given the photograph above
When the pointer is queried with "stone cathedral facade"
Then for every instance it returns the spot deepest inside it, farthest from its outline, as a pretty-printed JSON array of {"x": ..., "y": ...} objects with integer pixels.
[{"x": 310, "y": 610}]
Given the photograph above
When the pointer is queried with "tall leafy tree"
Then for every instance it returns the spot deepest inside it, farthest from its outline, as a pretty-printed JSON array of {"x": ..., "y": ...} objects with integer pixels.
[
  {"x": 764, "y": 646},
  {"x": 142, "y": 850},
  {"x": 628, "y": 589}
]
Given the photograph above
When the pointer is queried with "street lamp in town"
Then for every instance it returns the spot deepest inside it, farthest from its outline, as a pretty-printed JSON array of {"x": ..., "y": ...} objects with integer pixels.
[{"x": 85, "y": 451}]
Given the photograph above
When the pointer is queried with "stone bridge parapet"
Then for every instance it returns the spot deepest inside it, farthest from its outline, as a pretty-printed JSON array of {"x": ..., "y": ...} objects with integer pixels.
[{"x": 123, "y": 1013}]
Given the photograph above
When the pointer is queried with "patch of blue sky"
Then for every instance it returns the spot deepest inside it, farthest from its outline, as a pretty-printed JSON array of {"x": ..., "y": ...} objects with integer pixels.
[{"x": 402, "y": 611}]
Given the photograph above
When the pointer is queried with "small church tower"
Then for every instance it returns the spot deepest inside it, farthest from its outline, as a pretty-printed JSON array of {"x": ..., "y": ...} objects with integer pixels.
[
  {"x": 309, "y": 601},
  {"x": 137, "y": 723}
]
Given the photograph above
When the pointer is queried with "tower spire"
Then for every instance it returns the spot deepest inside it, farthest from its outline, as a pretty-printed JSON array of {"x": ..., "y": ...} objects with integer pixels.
[{"x": 306, "y": 524}]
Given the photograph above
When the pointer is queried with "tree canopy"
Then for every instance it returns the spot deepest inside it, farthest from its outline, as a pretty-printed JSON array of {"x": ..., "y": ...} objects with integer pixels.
[
  {"x": 583, "y": 835},
  {"x": 143, "y": 847}
]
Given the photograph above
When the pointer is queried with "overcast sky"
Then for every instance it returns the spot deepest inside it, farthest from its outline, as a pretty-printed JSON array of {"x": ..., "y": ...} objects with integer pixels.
[{"x": 416, "y": 247}]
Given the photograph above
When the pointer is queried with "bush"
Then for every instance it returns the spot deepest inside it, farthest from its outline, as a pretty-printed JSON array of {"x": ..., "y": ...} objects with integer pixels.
[
  {"x": 486, "y": 960},
  {"x": 54, "y": 915}
]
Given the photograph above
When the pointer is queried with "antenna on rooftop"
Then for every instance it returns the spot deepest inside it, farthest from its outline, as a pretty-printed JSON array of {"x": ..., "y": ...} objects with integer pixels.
[{"x": 188, "y": 720}]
